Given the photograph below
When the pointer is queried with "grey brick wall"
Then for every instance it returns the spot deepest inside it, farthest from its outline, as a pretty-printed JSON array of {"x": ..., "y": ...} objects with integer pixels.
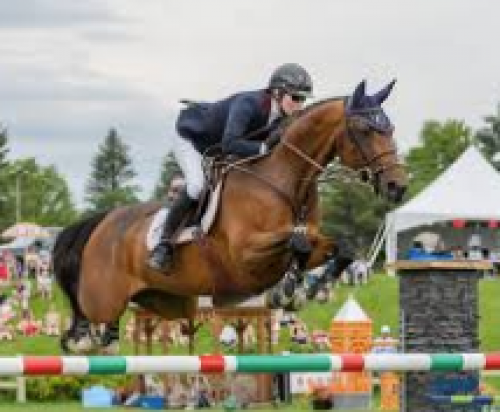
[{"x": 438, "y": 314}]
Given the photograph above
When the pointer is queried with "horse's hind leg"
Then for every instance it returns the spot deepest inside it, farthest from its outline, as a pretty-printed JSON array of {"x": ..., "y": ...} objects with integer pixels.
[
  {"x": 110, "y": 339},
  {"x": 77, "y": 339}
]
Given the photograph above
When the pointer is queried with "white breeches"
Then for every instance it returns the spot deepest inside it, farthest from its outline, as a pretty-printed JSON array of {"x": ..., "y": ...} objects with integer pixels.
[{"x": 190, "y": 162}]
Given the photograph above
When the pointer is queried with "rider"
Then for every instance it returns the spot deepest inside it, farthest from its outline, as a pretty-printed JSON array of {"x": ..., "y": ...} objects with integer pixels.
[{"x": 227, "y": 123}]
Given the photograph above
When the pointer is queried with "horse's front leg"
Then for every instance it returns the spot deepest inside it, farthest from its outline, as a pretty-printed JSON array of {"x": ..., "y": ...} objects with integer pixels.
[{"x": 335, "y": 256}]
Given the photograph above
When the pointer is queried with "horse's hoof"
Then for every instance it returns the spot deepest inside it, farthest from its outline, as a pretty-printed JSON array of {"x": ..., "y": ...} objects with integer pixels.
[
  {"x": 113, "y": 348},
  {"x": 270, "y": 304},
  {"x": 312, "y": 291},
  {"x": 295, "y": 304},
  {"x": 289, "y": 287},
  {"x": 81, "y": 346}
]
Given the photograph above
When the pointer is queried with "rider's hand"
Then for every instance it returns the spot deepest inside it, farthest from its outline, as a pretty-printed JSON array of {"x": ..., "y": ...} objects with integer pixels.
[
  {"x": 273, "y": 140},
  {"x": 269, "y": 143}
]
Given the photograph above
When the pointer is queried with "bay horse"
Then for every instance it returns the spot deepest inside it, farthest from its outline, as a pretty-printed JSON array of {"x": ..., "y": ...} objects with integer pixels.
[{"x": 100, "y": 262}]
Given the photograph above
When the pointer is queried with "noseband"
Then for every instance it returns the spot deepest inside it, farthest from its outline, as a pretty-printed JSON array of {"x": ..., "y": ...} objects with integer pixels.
[{"x": 376, "y": 119}]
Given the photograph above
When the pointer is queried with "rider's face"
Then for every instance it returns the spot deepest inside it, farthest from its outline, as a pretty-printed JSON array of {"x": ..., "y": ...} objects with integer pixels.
[
  {"x": 176, "y": 187},
  {"x": 291, "y": 103}
]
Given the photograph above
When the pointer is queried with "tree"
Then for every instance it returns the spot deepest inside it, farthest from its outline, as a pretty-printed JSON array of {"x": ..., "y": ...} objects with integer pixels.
[
  {"x": 37, "y": 194},
  {"x": 439, "y": 146},
  {"x": 4, "y": 150},
  {"x": 110, "y": 183},
  {"x": 488, "y": 138},
  {"x": 4, "y": 199},
  {"x": 169, "y": 168},
  {"x": 352, "y": 212}
]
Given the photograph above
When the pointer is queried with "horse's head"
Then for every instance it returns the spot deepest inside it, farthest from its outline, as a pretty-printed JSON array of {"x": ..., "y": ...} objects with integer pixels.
[{"x": 367, "y": 143}]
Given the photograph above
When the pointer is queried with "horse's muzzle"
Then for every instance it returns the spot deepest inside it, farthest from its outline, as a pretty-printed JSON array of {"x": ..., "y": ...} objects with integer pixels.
[{"x": 394, "y": 192}]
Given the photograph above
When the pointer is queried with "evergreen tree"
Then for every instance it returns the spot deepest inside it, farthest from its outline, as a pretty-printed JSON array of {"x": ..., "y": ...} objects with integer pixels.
[
  {"x": 439, "y": 146},
  {"x": 110, "y": 184},
  {"x": 488, "y": 138},
  {"x": 169, "y": 168},
  {"x": 352, "y": 212}
]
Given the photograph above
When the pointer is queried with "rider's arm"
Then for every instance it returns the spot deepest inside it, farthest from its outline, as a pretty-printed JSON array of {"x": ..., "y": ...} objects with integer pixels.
[{"x": 233, "y": 142}]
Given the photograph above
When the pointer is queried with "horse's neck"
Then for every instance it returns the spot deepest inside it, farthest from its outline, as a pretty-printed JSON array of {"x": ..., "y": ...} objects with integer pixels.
[{"x": 313, "y": 135}]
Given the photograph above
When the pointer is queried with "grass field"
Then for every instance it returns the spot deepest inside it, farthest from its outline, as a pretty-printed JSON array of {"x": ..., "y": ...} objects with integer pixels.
[{"x": 379, "y": 299}]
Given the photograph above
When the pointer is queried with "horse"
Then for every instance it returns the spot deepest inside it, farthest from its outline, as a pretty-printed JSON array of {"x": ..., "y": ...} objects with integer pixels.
[{"x": 268, "y": 206}]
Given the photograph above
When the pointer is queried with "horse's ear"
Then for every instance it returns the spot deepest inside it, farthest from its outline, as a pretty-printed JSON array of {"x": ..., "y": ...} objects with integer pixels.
[
  {"x": 380, "y": 96},
  {"x": 359, "y": 94}
]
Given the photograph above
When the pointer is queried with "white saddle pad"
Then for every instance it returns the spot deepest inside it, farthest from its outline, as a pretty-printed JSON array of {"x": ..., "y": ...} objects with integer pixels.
[{"x": 187, "y": 235}]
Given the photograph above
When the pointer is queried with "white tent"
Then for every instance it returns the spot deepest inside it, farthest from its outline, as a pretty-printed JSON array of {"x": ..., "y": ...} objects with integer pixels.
[{"x": 468, "y": 189}]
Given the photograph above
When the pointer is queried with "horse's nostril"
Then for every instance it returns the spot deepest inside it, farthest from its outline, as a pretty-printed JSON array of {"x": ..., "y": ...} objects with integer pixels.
[
  {"x": 395, "y": 191},
  {"x": 392, "y": 186}
]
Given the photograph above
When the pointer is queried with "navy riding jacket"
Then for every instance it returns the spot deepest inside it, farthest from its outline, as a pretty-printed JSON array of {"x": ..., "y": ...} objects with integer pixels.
[{"x": 227, "y": 122}]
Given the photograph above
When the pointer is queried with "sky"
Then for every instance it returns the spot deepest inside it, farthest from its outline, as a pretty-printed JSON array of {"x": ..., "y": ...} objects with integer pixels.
[{"x": 71, "y": 70}]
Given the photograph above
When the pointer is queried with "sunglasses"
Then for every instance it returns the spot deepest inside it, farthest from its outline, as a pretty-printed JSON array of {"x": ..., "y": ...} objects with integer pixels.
[
  {"x": 297, "y": 98},
  {"x": 176, "y": 189}
]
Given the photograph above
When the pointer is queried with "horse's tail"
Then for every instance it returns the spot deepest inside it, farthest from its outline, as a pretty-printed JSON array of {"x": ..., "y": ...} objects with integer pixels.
[{"x": 67, "y": 256}]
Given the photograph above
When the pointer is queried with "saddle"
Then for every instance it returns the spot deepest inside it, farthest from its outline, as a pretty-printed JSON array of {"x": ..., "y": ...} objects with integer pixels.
[{"x": 200, "y": 220}]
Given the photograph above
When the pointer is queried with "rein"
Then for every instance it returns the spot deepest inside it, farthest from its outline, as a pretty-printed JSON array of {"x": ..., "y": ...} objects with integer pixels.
[{"x": 238, "y": 165}]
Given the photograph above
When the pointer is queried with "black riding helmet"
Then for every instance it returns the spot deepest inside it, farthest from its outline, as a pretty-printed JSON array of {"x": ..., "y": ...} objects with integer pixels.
[{"x": 293, "y": 79}]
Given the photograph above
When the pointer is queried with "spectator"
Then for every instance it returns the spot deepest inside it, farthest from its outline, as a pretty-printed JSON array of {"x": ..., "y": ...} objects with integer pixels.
[
  {"x": 204, "y": 399},
  {"x": 320, "y": 340},
  {"x": 385, "y": 343},
  {"x": 28, "y": 326},
  {"x": 19, "y": 267},
  {"x": 417, "y": 251},
  {"x": 475, "y": 253},
  {"x": 249, "y": 336},
  {"x": 357, "y": 272},
  {"x": 6, "y": 309},
  {"x": 6, "y": 332},
  {"x": 44, "y": 280},
  {"x": 4, "y": 270},
  {"x": 228, "y": 336},
  {"x": 299, "y": 332},
  {"x": 130, "y": 329},
  {"x": 52, "y": 322},
  {"x": 458, "y": 253},
  {"x": 32, "y": 261}
]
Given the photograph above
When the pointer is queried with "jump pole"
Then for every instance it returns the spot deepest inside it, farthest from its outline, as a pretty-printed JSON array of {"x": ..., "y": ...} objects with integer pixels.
[{"x": 217, "y": 364}]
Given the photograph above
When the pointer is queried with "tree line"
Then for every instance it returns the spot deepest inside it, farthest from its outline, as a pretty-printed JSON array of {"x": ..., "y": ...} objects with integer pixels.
[{"x": 47, "y": 200}]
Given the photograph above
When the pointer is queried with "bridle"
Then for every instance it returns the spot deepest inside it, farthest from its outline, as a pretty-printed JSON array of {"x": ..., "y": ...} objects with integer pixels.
[
  {"x": 367, "y": 170},
  {"x": 372, "y": 169}
]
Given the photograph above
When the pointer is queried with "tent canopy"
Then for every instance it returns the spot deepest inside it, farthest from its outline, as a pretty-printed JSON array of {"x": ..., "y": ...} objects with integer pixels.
[
  {"x": 18, "y": 244},
  {"x": 468, "y": 189}
]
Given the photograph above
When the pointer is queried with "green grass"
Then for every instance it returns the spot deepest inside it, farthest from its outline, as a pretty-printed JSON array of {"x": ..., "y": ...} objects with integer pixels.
[
  {"x": 379, "y": 299},
  {"x": 489, "y": 312}
]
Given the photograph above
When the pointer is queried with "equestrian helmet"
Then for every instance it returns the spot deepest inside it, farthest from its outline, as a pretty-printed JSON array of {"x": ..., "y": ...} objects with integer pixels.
[{"x": 293, "y": 79}]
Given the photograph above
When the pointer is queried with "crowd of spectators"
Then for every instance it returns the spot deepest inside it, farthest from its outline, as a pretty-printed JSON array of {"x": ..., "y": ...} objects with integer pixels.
[{"x": 24, "y": 279}]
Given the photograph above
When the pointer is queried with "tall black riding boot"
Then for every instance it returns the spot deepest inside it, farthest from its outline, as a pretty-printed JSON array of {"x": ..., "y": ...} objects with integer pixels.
[{"x": 162, "y": 255}]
